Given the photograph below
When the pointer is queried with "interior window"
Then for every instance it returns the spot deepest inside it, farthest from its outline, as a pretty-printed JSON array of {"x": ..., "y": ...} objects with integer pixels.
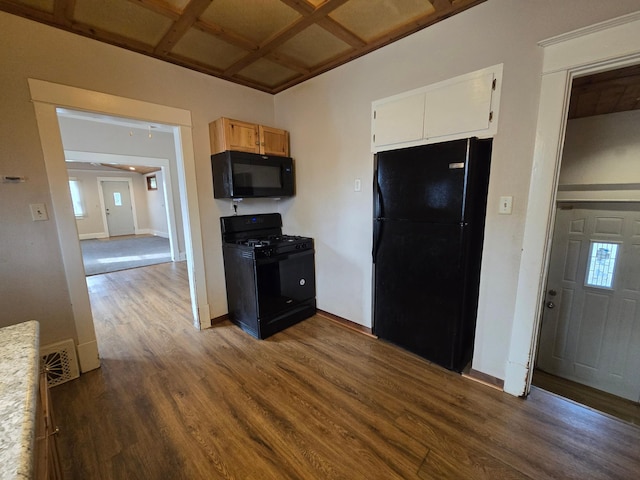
[
  {"x": 76, "y": 197},
  {"x": 602, "y": 264}
]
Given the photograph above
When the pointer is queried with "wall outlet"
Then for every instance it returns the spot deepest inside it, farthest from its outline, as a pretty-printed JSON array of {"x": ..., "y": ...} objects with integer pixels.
[
  {"x": 39, "y": 212},
  {"x": 506, "y": 205}
]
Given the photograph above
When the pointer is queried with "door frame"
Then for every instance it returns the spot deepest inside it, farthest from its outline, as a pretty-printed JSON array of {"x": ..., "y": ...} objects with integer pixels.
[
  {"x": 46, "y": 97},
  {"x": 163, "y": 163},
  {"x": 604, "y": 46},
  {"x": 105, "y": 221}
]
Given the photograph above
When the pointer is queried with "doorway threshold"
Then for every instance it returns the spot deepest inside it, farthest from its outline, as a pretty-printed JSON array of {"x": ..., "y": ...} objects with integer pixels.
[{"x": 612, "y": 405}]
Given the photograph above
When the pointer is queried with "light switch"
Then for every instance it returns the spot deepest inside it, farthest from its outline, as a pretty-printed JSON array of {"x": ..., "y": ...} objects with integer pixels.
[
  {"x": 506, "y": 205},
  {"x": 357, "y": 185},
  {"x": 38, "y": 211}
]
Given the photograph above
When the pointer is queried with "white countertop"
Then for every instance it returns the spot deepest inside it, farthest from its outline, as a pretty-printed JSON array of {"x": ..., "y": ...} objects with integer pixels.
[{"x": 19, "y": 365}]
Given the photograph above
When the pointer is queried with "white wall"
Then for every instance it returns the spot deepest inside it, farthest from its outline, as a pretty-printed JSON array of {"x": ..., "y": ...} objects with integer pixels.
[
  {"x": 92, "y": 224},
  {"x": 329, "y": 120},
  {"x": 32, "y": 279},
  {"x": 156, "y": 207},
  {"x": 604, "y": 149}
]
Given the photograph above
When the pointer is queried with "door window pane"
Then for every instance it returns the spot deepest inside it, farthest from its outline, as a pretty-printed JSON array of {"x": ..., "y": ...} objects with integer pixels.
[
  {"x": 117, "y": 199},
  {"x": 602, "y": 264}
]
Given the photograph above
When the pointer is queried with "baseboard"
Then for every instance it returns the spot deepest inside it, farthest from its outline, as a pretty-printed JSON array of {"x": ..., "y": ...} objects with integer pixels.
[
  {"x": 91, "y": 236},
  {"x": 220, "y": 319},
  {"x": 158, "y": 233},
  {"x": 182, "y": 256},
  {"x": 346, "y": 323},
  {"x": 483, "y": 378},
  {"x": 88, "y": 356}
]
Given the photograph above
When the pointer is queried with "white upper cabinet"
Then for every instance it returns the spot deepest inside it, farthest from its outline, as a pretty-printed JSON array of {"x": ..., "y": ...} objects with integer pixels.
[
  {"x": 399, "y": 119},
  {"x": 461, "y": 107}
]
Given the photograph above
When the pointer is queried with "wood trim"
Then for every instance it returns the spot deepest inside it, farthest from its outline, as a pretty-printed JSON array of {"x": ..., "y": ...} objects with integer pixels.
[
  {"x": 483, "y": 378},
  {"x": 346, "y": 323},
  {"x": 220, "y": 319},
  {"x": 190, "y": 15},
  {"x": 281, "y": 37},
  {"x": 321, "y": 313}
]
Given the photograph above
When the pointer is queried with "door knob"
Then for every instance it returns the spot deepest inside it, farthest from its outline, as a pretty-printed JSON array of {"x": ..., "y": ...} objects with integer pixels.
[{"x": 550, "y": 304}]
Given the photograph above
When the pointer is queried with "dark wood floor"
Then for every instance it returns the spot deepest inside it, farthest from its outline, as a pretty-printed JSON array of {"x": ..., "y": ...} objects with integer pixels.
[
  {"x": 621, "y": 408},
  {"x": 317, "y": 401}
]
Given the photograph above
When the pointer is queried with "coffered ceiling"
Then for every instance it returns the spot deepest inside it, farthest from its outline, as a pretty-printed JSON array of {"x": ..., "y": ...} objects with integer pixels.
[
  {"x": 606, "y": 92},
  {"x": 269, "y": 45}
]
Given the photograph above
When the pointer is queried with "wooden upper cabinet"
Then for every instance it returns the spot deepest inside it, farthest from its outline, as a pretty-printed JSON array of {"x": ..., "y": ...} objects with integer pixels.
[
  {"x": 228, "y": 134},
  {"x": 274, "y": 141}
]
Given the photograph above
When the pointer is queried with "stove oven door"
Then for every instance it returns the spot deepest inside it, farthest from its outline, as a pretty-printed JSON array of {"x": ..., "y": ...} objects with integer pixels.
[{"x": 283, "y": 282}]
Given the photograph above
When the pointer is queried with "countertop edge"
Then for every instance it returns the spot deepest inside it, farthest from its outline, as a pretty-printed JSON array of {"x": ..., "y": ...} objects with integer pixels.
[{"x": 20, "y": 363}]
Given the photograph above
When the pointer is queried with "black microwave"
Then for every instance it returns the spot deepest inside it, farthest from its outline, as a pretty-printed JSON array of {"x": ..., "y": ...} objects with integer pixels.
[{"x": 250, "y": 175}]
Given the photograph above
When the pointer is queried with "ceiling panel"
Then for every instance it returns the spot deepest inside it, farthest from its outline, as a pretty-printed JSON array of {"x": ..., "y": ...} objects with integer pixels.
[
  {"x": 370, "y": 19},
  {"x": 265, "y": 72},
  {"x": 269, "y": 45},
  {"x": 607, "y": 92},
  {"x": 207, "y": 49},
  {"x": 313, "y": 46},
  {"x": 46, "y": 5},
  {"x": 256, "y": 20},
  {"x": 123, "y": 18}
]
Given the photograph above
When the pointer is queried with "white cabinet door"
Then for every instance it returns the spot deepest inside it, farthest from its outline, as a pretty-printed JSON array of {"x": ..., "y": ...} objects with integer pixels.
[
  {"x": 460, "y": 108},
  {"x": 398, "y": 120}
]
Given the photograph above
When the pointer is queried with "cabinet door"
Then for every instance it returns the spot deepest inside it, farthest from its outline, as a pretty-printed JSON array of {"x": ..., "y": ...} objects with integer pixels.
[
  {"x": 398, "y": 120},
  {"x": 274, "y": 141},
  {"x": 241, "y": 136},
  {"x": 461, "y": 108}
]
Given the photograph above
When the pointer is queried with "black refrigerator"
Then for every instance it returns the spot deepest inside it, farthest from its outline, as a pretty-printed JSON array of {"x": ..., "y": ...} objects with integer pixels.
[{"x": 428, "y": 229}]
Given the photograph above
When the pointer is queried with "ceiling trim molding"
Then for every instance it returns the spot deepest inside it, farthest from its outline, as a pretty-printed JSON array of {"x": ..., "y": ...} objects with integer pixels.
[{"x": 598, "y": 27}]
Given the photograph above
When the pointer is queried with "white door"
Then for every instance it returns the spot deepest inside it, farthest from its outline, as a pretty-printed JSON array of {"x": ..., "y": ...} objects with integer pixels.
[
  {"x": 591, "y": 323},
  {"x": 117, "y": 204}
]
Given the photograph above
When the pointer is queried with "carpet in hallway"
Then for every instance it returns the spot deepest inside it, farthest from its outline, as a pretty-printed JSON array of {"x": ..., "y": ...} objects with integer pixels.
[{"x": 113, "y": 254}]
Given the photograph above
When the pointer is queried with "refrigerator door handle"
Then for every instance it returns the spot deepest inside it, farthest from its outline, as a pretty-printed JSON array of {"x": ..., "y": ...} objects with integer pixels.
[
  {"x": 378, "y": 203},
  {"x": 377, "y": 232}
]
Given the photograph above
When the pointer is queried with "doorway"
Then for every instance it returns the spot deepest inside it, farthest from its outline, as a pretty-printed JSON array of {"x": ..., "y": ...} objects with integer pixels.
[
  {"x": 589, "y": 335},
  {"x": 602, "y": 47},
  {"x": 47, "y": 97},
  {"x": 590, "y": 329},
  {"x": 118, "y": 207}
]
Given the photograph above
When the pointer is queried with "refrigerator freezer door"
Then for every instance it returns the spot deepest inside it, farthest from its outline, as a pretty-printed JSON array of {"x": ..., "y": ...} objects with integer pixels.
[
  {"x": 425, "y": 183},
  {"x": 418, "y": 302}
]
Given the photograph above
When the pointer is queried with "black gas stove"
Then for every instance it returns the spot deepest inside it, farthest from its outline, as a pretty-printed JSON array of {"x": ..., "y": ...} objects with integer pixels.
[
  {"x": 273, "y": 245},
  {"x": 270, "y": 277}
]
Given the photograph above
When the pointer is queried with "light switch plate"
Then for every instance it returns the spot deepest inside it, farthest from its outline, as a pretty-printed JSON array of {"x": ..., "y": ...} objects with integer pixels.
[
  {"x": 39, "y": 212},
  {"x": 357, "y": 185},
  {"x": 506, "y": 205}
]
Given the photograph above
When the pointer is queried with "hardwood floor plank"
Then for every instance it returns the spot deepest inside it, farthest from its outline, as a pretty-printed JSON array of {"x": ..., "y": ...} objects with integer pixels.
[{"x": 315, "y": 401}]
